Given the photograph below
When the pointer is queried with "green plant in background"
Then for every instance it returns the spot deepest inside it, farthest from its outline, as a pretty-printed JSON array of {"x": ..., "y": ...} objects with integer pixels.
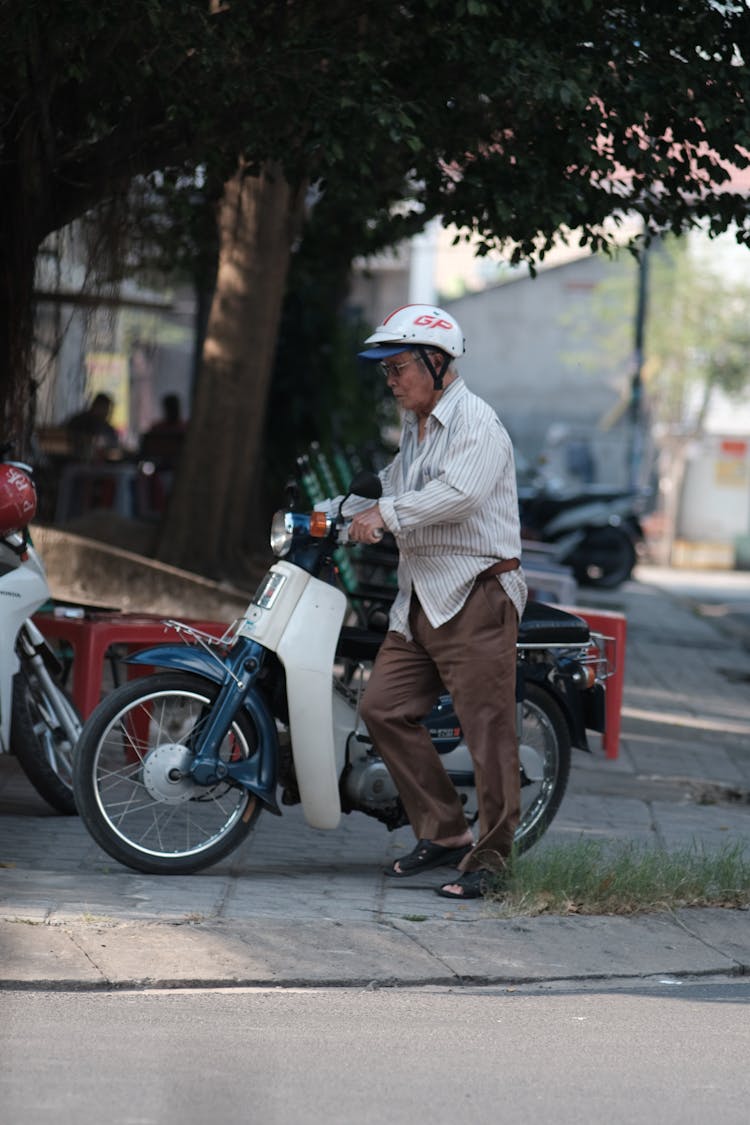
[{"x": 697, "y": 337}]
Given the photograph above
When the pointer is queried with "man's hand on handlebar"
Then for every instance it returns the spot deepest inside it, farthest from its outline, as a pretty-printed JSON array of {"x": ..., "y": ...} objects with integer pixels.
[{"x": 367, "y": 526}]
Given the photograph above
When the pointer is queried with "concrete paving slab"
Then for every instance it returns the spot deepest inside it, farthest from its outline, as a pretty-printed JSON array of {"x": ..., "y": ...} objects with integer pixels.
[
  {"x": 707, "y": 827},
  {"x": 599, "y": 817},
  {"x": 240, "y": 954},
  {"x": 70, "y": 896},
  {"x": 569, "y": 948},
  {"x": 725, "y": 930},
  {"x": 42, "y": 955}
]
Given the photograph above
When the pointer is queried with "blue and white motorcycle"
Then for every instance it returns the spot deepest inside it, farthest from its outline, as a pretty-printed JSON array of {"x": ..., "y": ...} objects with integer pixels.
[{"x": 172, "y": 770}]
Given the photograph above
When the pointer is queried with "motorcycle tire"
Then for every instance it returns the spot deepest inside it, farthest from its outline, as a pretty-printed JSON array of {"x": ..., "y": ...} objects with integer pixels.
[
  {"x": 544, "y": 748},
  {"x": 605, "y": 559},
  {"x": 38, "y": 741},
  {"x": 131, "y": 784}
]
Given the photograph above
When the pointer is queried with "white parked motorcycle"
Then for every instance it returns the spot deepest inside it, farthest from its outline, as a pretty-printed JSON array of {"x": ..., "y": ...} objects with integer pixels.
[
  {"x": 173, "y": 769},
  {"x": 38, "y": 722}
]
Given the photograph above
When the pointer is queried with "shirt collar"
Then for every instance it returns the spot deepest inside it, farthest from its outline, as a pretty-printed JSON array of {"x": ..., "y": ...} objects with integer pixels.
[{"x": 445, "y": 406}]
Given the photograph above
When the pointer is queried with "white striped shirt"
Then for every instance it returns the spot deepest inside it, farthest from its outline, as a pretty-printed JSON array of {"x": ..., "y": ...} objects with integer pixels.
[{"x": 452, "y": 506}]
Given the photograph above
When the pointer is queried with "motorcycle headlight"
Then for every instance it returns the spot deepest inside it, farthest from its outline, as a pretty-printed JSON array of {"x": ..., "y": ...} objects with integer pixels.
[{"x": 281, "y": 533}]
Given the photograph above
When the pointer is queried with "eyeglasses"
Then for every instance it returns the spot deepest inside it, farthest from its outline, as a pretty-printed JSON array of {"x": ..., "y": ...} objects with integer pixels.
[{"x": 393, "y": 369}]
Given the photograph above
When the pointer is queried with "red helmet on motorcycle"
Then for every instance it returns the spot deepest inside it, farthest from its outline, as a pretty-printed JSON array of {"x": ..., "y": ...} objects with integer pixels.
[{"x": 17, "y": 499}]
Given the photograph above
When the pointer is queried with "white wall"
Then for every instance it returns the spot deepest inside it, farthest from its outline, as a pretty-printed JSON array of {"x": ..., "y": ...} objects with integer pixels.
[
  {"x": 525, "y": 345},
  {"x": 715, "y": 500}
]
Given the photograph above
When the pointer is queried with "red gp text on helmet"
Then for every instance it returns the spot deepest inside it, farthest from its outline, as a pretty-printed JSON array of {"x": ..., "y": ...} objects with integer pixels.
[
  {"x": 424, "y": 320},
  {"x": 427, "y": 321}
]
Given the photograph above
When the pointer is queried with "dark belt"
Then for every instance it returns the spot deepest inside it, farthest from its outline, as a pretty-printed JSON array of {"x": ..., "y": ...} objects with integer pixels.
[{"x": 501, "y": 567}]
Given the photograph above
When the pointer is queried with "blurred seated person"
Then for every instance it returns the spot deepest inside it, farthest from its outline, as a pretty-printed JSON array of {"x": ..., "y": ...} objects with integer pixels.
[
  {"x": 162, "y": 443},
  {"x": 92, "y": 436}
]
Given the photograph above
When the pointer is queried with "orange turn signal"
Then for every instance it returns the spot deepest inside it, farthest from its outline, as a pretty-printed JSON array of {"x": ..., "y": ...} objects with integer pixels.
[
  {"x": 318, "y": 524},
  {"x": 589, "y": 675}
]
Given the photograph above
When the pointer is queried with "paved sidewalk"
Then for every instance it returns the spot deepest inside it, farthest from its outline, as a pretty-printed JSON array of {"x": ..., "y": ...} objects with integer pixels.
[{"x": 296, "y": 906}]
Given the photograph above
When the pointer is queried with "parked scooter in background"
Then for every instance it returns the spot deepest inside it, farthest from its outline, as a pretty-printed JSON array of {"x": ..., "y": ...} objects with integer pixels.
[
  {"x": 38, "y": 722},
  {"x": 596, "y": 530}
]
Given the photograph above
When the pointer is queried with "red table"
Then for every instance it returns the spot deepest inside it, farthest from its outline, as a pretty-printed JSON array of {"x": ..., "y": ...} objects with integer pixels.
[{"x": 92, "y": 634}]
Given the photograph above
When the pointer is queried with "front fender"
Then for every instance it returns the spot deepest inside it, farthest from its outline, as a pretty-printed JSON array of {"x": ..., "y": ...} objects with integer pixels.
[
  {"x": 260, "y": 776},
  {"x": 185, "y": 658}
]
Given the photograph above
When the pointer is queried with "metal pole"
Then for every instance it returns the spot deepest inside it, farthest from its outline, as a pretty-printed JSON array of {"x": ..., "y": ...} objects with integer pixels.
[{"x": 636, "y": 386}]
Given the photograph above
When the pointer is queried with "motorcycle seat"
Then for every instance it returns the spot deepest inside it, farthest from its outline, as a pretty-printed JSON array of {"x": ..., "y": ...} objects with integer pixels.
[
  {"x": 541, "y": 624},
  {"x": 546, "y": 624}
]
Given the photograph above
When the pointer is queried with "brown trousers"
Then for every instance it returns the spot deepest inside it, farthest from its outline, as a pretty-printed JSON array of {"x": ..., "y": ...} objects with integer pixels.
[{"x": 474, "y": 656}]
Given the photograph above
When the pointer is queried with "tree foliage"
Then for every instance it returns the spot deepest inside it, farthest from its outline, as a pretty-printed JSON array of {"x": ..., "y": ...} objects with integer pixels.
[
  {"x": 511, "y": 121},
  {"x": 515, "y": 119},
  {"x": 698, "y": 338}
]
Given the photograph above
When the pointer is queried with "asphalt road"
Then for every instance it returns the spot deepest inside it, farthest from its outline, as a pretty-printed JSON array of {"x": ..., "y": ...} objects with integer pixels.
[{"x": 667, "y": 1051}]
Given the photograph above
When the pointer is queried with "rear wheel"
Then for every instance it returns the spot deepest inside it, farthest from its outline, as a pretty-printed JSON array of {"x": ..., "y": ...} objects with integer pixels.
[
  {"x": 38, "y": 739},
  {"x": 544, "y": 753},
  {"x": 132, "y": 777},
  {"x": 544, "y": 750}
]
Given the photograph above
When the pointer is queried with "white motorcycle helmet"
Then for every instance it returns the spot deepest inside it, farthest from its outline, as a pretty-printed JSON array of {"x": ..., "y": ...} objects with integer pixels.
[{"x": 420, "y": 327}]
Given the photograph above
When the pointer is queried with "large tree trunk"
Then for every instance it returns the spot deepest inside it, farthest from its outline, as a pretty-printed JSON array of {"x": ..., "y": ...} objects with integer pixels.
[
  {"x": 16, "y": 320},
  {"x": 208, "y": 527},
  {"x": 24, "y": 205}
]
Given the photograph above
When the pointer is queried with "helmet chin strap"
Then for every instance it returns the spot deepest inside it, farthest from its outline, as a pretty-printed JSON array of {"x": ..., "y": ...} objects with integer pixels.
[{"x": 437, "y": 374}]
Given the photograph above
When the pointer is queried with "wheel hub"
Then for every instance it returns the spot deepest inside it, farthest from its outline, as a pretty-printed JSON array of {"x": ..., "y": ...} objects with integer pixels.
[{"x": 166, "y": 774}]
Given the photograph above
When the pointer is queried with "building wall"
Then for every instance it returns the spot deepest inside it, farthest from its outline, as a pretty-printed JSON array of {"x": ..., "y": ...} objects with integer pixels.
[
  {"x": 526, "y": 342},
  {"x": 538, "y": 355}
]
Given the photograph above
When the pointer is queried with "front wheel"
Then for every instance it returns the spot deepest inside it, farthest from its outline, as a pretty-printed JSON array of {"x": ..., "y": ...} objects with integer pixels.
[
  {"x": 38, "y": 739},
  {"x": 132, "y": 777}
]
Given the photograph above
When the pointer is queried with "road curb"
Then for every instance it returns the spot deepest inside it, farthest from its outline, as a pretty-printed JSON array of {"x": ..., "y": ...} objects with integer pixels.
[{"x": 98, "y": 956}]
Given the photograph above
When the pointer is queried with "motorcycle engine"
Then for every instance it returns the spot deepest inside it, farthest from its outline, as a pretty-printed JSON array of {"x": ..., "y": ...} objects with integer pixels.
[
  {"x": 368, "y": 787},
  {"x": 368, "y": 783}
]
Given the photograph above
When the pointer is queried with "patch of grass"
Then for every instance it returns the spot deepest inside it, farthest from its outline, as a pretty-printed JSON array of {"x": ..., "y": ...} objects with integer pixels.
[{"x": 589, "y": 877}]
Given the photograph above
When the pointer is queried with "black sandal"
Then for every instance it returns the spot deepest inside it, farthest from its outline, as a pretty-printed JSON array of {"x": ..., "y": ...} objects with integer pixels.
[
  {"x": 473, "y": 884},
  {"x": 425, "y": 856}
]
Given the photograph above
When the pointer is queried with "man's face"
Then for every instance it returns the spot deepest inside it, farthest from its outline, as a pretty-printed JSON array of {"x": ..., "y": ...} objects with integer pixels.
[{"x": 410, "y": 382}]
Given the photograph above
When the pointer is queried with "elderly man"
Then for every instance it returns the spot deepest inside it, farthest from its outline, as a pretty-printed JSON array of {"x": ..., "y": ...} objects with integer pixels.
[{"x": 449, "y": 498}]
